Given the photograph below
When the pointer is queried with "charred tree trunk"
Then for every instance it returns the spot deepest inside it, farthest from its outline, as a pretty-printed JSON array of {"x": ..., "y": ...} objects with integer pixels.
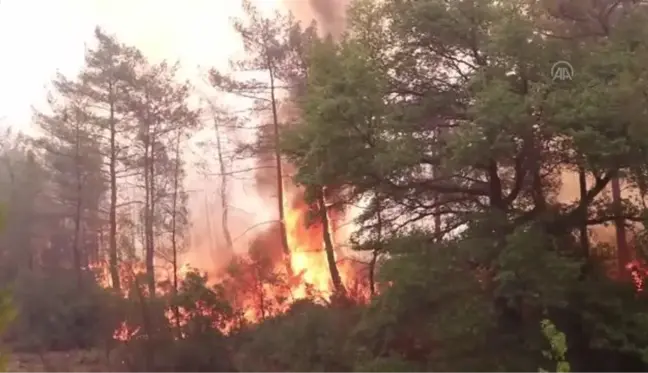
[
  {"x": 328, "y": 244},
  {"x": 112, "y": 236},
  {"x": 623, "y": 252}
]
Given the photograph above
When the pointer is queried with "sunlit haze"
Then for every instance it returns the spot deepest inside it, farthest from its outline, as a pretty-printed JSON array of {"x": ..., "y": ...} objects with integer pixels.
[{"x": 40, "y": 37}]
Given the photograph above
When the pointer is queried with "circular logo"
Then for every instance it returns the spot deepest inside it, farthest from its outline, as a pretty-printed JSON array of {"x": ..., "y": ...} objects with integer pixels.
[{"x": 562, "y": 70}]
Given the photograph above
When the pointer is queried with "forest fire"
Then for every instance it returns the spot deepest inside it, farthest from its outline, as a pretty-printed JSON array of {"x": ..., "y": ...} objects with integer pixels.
[
  {"x": 257, "y": 283},
  {"x": 308, "y": 259}
]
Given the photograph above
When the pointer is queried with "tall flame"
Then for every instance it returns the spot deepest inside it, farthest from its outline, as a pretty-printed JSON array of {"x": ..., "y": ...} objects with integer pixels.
[{"x": 307, "y": 255}]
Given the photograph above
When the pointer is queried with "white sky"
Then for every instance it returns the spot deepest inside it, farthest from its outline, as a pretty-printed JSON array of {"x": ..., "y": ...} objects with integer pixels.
[{"x": 39, "y": 37}]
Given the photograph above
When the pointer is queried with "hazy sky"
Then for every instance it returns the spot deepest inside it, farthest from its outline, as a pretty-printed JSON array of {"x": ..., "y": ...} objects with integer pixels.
[{"x": 37, "y": 37}]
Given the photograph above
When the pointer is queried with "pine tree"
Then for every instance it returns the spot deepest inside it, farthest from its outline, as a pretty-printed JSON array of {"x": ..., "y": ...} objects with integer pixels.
[
  {"x": 74, "y": 163},
  {"x": 159, "y": 108},
  {"x": 265, "y": 42}
]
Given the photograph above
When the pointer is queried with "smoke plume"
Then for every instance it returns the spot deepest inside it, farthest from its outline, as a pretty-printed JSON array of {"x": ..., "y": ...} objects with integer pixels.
[
  {"x": 330, "y": 18},
  {"x": 330, "y": 15}
]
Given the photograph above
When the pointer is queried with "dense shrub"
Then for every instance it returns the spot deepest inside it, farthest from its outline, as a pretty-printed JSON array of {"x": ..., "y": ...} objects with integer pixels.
[{"x": 54, "y": 313}]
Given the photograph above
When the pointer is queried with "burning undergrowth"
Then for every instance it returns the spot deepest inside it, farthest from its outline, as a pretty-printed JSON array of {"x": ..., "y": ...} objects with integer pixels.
[{"x": 254, "y": 286}]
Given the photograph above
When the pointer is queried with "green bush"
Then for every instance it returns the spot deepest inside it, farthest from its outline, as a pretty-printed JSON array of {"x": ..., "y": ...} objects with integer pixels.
[
  {"x": 7, "y": 314},
  {"x": 55, "y": 314}
]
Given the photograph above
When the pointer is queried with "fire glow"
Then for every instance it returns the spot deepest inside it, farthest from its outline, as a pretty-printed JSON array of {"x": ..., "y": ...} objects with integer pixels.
[{"x": 255, "y": 299}]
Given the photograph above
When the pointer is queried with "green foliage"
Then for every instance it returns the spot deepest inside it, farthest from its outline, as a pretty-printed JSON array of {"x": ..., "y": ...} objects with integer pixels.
[
  {"x": 206, "y": 308},
  {"x": 449, "y": 108},
  {"x": 189, "y": 338},
  {"x": 74, "y": 318},
  {"x": 334, "y": 123},
  {"x": 558, "y": 344},
  {"x": 434, "y": 315},
  {"x": 308, "y": 337},
  {"x": 7, "y": 315},
  {"x": 7, "y": 309}
]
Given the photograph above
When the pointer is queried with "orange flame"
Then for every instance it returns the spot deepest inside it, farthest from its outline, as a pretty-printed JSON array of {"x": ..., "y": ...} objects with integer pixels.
[{"x": 307, "y": 256}]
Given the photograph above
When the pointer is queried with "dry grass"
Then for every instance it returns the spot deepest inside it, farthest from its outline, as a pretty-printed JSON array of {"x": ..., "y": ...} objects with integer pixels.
[{"x": 69, "y": 361}]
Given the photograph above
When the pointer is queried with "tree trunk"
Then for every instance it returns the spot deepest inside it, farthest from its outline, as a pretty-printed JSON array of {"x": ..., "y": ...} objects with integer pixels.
[
  {"x": 372, "y": 272},
  {"x": 174, "y": 218},
  {"x": 584, "y": 237},
  {"x": 76, "y": 250},
  {"x": 437, "y": 213},
  {"x": 279, "y": 167},
  {"x": 376, "y": 250},
  {"x": 147, "y": 324},
  {"x": 77, "y": 214},
  {"x": 623, "y": 252},
  {"x": 223, "y": 193},
  {"x": 150, "y": 254},
  {"x": 148, "y": 215},
  {"x": 328, "y": 244},
  {"x": 112, "y": 236}
]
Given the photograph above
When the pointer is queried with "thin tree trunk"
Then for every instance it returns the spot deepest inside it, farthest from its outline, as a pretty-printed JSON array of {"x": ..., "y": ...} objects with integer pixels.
[
  {"x": 584, "y": 237},
  {"x": 328, "y": 245},
  {"x": 148, "y": 212},
  {"x": 437, "y": 214},
  {"x": 112, "y": 237},
  {"x": 623, "y": 252},
  {"x": 174, "y": 243},
  {"x": 376, "y": 251},
  {"x": 372, "y": 272},
  {"x": 149, "y": 352},
  {"x": 223, "y": 193},
  {"x": 209, "y": 230},
  {"x": 76, "y": 255},
  {"x": 150, "y": 257},
  {"x": 261, "y": 294},
  {"x": 279, "y": 167},
  {"x": 77, "y": 214}
]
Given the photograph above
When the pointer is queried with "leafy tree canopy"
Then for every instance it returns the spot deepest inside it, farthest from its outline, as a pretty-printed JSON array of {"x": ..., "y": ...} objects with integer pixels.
[{"x": 445, "y": 120}]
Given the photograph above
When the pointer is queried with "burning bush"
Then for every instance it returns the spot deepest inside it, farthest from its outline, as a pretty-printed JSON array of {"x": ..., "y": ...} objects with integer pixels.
[{"x": 180, "y": 330}]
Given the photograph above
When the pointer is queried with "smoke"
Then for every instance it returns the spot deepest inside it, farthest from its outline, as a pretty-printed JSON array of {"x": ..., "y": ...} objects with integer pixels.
[
  {"x": 602, "y": 235},
  {"x": 330, "y": 18},
  {"x": 330, "y": 15},
  {"x": 251, "y": 235}
]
